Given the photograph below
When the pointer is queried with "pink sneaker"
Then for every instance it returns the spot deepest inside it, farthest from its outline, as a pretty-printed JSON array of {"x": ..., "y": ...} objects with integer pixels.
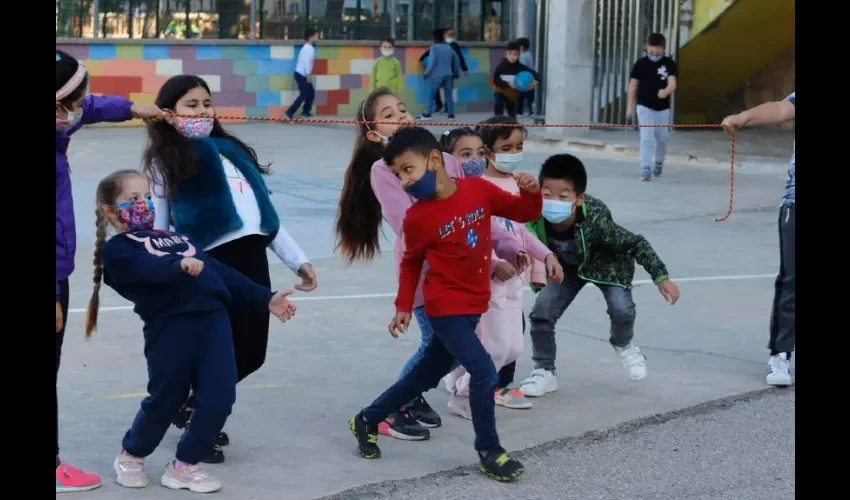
[
  {"x": 189, "y": 477},
  {"x": 70, "y": 478}
]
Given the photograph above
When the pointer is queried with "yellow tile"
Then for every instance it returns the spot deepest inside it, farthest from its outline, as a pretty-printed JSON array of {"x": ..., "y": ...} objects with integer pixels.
[
  {"x": 349, "y": 53},
  {"x": 143, "y": 97},
  {"x": 95, "y": 68},
  {"x": 128, "y": 52},
  {"x": 341, "y": 66}
]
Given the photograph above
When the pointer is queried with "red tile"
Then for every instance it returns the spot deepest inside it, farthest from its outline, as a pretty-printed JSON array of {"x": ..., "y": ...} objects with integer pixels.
[
  {"x": 116, "y": 85},
  {"x": 336, "y": 97},
  {"x": 320, "y": 67},
  {"x": 327, "y": 109}
]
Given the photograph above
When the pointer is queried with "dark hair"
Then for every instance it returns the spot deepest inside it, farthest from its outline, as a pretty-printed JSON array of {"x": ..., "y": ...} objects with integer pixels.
[
  {"x": 490, "y": 134},
  {"x": 656, "y": 40},
  {"x": 169, "y": 158},
  {"x": 450, "y": 137},
  {"x": 389, "y": 40},
  {"x": 449, "y": 28},
  {"x": 512, "y": 45},
  {"x": 108, "y": 189},
  {"x": 309, "y": 32},
  {"x": 410, "y": 139},
  {"x": 565, "y": 167},
  {"x": 524, "y": 42},
  {"x": 358, "y": 217},
  {"x": 66, "y": 66},
  {"x": 439, "y": 34}
]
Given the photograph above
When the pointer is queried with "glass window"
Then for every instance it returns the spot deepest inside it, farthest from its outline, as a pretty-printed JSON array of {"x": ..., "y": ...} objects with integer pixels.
[
  {"x": 375, "y": 19},
  {"x": 469, "y": 25},
  {"x": 282, "y": 19},
  {"x": 496, "y": 20},
  {"x": 423, "y": 20}
]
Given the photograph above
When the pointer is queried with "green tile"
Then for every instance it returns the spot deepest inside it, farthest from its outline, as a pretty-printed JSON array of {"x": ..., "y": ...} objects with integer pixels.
[
  {"x": 254, "y": 112},
  {"x": 356, "y": 96},
  {"x": 256, "y": 83},
  {"x": 348, "y": 110},
  {"x": 244, "y": 67},
  {"x": 128, "y": 52},
  {"x": 234, "y": 52},
  {"x": 327, "y": 52},
  {"x": 278, "y": 82}
]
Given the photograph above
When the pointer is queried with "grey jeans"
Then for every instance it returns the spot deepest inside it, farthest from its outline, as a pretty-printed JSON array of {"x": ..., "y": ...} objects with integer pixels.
[
  {"x": 653, "y": 140},
  {"x": 553, "y": 300},
  {"x": 783, "y": 334}
]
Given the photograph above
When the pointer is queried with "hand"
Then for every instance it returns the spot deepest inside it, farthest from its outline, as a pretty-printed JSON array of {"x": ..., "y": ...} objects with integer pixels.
[
  {"x": 523, "y": 261},
  {"x": 147, "y": 111},
  {"x": 553, "y": 268},
  {"x": 630, "y": 113},
  {"x": 533, "y": 85},
  {"x": 503, "y": 271},
  {"x": 308, "y": 278},
  {"x": 527, "y": 182},
  {"x": 662, "y": 94},
  {"x": 60, "y": 318},
  {"x": 730, "y": 123},
  {"x": 399, "y": 324},
  {"x": 192, "y": 266},
  {"x": 669, "y": 290},
  {"x": 281, "y": 307}
]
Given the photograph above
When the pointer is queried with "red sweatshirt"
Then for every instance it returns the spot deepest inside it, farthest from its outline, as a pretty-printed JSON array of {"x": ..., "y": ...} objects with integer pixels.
[{"x": 453, "y": 236}]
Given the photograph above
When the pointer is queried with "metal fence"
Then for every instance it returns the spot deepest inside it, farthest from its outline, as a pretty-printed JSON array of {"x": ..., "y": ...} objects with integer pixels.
[
  {"x": 474, "y": 20},
  {"x": 621, "y": 30}
]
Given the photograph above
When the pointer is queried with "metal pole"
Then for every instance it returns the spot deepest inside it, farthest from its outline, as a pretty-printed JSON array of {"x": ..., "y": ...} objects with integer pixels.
[
  {"x": 411, "y": 19},
  {"x": 95, "y": 14},
  {"x": 392, "y": 19},
  {"x": 541, "y": 42},
  {"x": 357, "y": 23},
  {"x": 254, "y": 11}
]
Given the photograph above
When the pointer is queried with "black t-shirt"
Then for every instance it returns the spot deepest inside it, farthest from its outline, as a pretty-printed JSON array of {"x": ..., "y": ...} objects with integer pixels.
[
  {"x": 563, "y": 243},
  {"x": 652, "y": 77}
]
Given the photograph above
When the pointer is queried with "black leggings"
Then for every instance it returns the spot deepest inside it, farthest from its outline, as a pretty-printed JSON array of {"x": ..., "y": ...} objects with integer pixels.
[{"x": 60, "y": 337}]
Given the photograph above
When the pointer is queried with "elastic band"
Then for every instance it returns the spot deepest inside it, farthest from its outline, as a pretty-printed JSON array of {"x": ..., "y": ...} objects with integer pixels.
[
  {"x": 72, "y": 84},
  {"x": 97, "y": 287}
]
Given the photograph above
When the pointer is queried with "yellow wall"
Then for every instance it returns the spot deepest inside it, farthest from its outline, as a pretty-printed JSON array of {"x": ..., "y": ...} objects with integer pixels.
[{"x": 743, "y": 37}]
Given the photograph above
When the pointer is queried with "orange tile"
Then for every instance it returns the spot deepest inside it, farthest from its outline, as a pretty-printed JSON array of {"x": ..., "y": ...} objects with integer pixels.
[
  {"x": 365, "y": 81},
  {"x": 320, "y": 67},
  {"x": 153, "y": 83},
  {"x": 327, "y": 109},
  {"x": 276, "y": 112},
  {"x": 339, "y": 66},
  {"x": 336, "y": 97},
  {"x": 368, "y": 52},
  {"x": 125, "y": 67},
  {"x": 116, "y": 85},
  {"x": 238, "y": 112}
]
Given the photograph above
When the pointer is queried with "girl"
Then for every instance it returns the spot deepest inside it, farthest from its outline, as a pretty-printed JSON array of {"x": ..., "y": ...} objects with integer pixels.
[
  {"x": 370, "y": 193},
  {"x": 75, "y": 108},
  {"x": 504, "y": 322},
  {"x": 208, "y": 184},
  {"x": 182, "y": 296}
]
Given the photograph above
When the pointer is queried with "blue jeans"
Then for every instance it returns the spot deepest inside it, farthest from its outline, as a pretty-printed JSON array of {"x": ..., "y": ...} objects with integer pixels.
[
  {"x": 454, "y": 338},
  {"x": 306, "y": 94},
  {"x": 427, "y": 334},
  {"x": 434, "y": 85}
]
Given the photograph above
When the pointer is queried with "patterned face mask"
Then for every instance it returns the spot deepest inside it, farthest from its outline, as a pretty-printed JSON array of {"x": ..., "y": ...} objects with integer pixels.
[
  {"x": 474, "y": 167},
  {"x": 138, "y": 215},
  {"x": 194, "y": 128}
]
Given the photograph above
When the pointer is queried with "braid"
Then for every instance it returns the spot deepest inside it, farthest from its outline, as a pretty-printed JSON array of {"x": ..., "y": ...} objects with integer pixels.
[{"x": 94, "y": 302}]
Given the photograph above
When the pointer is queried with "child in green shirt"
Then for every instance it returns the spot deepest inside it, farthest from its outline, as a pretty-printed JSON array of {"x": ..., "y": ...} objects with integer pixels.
[{"x": 386, "y": 73}]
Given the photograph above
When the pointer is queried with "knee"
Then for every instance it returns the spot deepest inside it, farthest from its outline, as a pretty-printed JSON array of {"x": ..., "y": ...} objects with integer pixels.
[
  {"x": 221, "y": 405},
  {"x": 623, "y": 314},
  {"x": 483, "y": 375}
]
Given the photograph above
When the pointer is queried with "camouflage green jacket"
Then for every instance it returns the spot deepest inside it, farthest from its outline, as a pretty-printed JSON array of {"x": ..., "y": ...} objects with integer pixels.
[{"x": 607, "y": 251}]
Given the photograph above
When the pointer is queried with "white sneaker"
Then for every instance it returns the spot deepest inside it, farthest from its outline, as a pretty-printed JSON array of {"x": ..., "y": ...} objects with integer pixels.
[
  {"x": 130, "y": 471},
  {"x": 779, "y": 370},
  {"x": 189, "y": 477},
  {"x": 539, "y": 383},
  {"x": 460, "y": 406},
  {"x": 633, "y": 361}
]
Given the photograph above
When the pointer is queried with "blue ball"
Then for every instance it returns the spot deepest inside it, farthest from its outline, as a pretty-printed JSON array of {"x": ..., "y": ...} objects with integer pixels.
[{"x": 523, "y": 81}]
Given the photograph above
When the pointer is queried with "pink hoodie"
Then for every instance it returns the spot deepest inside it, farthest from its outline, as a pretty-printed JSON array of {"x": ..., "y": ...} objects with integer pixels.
[{"x": 395, "y": 202}]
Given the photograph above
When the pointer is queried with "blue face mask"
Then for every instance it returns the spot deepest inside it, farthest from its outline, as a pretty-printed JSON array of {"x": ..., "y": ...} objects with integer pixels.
[
  {"x": 474, "y": 167},
  {"x": 655, "y": 58},
  {"x": 557, "y": 211},
  {"x": 425, "y": 188}
]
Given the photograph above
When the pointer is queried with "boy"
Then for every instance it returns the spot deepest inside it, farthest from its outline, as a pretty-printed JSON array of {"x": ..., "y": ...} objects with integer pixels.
[
  {"x": 504, "y": 93},
  {"x": 449, "y": 35},
  {"x": 443, "y": 67},
  {"x": 303, "y": 69},
  {"x": 653, "y": 80},
  {"x": 448, "y": 227},
  {"x": 527, "y": 59},
  {"x": 386, "y": 72},
  {"x": 592, "y": 248}
]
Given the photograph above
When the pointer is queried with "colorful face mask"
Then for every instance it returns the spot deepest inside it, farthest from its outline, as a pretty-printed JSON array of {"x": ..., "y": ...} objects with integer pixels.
[
  {"x": 194, "y": 128},
  {"x": 425, "y": 188},
  {"x": 474, "y": 167},
  {"x": 70, "y": 122},
  {"x": 138, "y": 215}
]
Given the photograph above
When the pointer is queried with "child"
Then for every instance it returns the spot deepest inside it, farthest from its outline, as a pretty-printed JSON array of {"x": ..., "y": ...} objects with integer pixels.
[
  {"x": 386, "y": 72},
  {"x": 525, "y": 57},
  {"x": 504, "y": 92},
  {"x": 370, "y": 194},
  {"x": 75, "y": 108},
  {"x": 182, "y": 296},
  {"x": 442, "y": 70},
  {"x": 504, "y": 320},
  {"x": 209, "y": 185},
  {"x": 450, "y": 37},
  {"x": 303, "y": 70},
  {"x": 592, "y": 249},
  {"x": 447, "y": 227}
]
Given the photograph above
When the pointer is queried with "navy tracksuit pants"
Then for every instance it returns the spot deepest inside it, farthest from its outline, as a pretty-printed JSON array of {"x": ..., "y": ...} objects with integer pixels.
[{"x": 186, "y": 351}]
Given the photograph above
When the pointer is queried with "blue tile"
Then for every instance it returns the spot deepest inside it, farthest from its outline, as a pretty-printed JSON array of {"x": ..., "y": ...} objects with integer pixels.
[
  {"x": 467, "y": 94},
  {"x": 258, "y": 51},
  {"x": 265, "y": 99},
  {"x": 100, "y": 51},
  {"x": 208, "y": 52},
  {"x": 275, "y": 66},
  {"x": 255, "y": 112},
  {"x": 474, "y": 65},
  {"x": 153, "y": 52}
]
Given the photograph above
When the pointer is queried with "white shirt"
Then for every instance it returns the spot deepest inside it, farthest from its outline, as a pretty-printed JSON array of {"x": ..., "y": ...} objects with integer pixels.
[
  {"x": 304, "y": 66},
  {"x": 248, "y": 210}
]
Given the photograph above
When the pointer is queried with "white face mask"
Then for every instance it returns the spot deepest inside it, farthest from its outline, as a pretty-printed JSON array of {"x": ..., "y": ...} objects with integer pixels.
[
  {"x": 69, "y": 122},
  {"x": 507, "y": 162},
  {"x": 387, "y": 52},
  {"x": 450, "y": 40}
]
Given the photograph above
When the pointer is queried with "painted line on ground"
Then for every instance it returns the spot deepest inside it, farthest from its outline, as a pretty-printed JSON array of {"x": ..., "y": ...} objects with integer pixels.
[{"x": 729, "y": 277}]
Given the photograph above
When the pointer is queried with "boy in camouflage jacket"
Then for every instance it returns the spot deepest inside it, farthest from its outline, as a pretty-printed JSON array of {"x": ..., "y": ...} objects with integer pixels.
[{"x": 592, "y": 248}]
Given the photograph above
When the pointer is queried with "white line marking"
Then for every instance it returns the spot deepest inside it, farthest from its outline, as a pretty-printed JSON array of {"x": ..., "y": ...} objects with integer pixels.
[{"x": 730, "y": 277}]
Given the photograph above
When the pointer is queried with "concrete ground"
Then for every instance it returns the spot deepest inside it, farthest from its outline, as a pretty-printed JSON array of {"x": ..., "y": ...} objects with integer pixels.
[{"x": 289, "y": 432}]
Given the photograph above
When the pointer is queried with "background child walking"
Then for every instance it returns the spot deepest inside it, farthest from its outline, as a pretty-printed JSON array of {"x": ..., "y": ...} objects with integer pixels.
[
  {"x": 302, "y": 74},
  {"x": 386, "y": 72},
  {"x": 182, "y": 296}
]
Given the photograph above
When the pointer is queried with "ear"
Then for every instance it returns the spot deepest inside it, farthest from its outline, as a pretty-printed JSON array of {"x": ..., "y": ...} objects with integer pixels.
[
  {"x": 374, "y": 137},
  {"x": 60, "y": 110},
  {"x": 579, "y": 201},
  {"x": 111, "y": 213},
  {"x": 435, "y": 160}
]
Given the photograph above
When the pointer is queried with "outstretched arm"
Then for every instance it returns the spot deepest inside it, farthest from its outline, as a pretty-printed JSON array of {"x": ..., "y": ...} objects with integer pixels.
[
  {"x": 131, "y": 262},
  {"x": 246, "y": 294},
  {"x": 105, "y": 108}
]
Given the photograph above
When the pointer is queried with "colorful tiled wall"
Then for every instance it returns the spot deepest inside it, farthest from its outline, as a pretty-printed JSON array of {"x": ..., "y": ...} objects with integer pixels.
[{"x": 256, "y": 80}]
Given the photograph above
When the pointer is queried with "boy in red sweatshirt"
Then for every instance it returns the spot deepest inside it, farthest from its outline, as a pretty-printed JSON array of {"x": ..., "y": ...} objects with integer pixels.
[{"x": 449, "y": 227}]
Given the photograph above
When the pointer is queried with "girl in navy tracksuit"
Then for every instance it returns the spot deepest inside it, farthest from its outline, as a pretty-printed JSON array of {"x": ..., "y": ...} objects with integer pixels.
[{"x": 183, "y": 296}]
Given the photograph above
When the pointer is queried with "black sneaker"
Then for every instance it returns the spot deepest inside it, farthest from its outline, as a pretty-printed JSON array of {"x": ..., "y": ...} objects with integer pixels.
[
  {"x": 216, "y": 457},
  {"x": 402, "y": 425},
  {"x": 497, "y": 464},
  {"x": 424, "y": 414},
  {"x": 366, "y": 435},
  {"x": 423, "y": 117},
  {"x": 222, "y": 439},
  {"x": 183, "y": 417},
  {"x": 451, "y": 117}
]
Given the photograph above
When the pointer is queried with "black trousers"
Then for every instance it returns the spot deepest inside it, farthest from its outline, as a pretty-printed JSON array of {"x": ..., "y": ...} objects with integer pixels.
[
  {"x": 60, "y": 337},
  {"x": 502, "y": 104},
  {"x": 783, "y": 333}
]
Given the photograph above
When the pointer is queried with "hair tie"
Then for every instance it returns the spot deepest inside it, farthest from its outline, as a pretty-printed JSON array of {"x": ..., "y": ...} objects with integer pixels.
[{"x": 97, "y": 287}]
